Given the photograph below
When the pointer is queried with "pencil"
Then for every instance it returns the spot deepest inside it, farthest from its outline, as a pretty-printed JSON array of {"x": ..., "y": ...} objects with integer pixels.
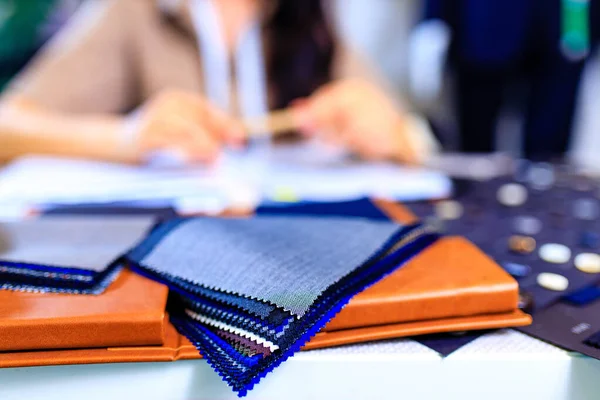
[{"x": 273, "y": 124}]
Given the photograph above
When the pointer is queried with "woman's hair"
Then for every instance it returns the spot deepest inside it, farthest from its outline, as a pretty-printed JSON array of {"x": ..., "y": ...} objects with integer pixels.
[{"x": 301, "y": 49}]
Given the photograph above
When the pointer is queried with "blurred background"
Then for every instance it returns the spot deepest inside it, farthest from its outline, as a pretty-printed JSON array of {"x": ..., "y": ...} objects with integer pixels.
[{"x": 438, "y": 55}]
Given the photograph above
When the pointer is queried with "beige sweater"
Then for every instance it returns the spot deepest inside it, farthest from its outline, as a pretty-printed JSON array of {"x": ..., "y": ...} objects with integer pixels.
[{"x": 114, "y": 54}]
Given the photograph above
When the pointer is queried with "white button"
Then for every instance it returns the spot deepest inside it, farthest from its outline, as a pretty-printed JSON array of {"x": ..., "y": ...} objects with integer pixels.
[
  {"x": 555, "y": 253},
  {"x": 541, "y": 176},
  {"x": 588, "y": 262},
  {"x": 550, "y": 281},
  {"x": 512, "y": 195},
  {"x": 481, "y": 169},
  {"x": 449, "y": 209},
  {"x": 527, "y": 225}
]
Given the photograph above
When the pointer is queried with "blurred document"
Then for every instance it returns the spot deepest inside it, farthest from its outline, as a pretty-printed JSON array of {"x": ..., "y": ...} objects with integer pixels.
[
  {"x": 291, "y": 173},
  {"x": 42, "y": 181},
  {"x": 312, "y": 171}
]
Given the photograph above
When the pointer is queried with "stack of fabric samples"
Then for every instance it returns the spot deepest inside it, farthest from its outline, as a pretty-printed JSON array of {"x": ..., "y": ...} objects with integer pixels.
[
  {"x": 79, "y": 255},
  {"x": 249, "y": 292}
]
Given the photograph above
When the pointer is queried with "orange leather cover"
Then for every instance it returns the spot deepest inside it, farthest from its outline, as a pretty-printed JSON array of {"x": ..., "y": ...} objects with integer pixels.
[
  {"x": 177, "y": 347},
  {"x": 451, "y": 278},
  {"x": 130, "y": 312},
  {"x": 452, "y": 286}
]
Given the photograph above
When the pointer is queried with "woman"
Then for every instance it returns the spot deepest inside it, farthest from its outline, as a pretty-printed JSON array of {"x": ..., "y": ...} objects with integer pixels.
[{"x": 126, "y": 78}]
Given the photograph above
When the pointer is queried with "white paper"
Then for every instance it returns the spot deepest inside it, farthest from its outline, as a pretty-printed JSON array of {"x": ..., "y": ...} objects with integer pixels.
[
  {"x": 297, "y": 172},
  {"x": 315, "y": 172}
]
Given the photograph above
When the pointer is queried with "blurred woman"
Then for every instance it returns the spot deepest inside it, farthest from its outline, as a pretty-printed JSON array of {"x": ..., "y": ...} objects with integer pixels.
[{"x": 126, "y": 78}]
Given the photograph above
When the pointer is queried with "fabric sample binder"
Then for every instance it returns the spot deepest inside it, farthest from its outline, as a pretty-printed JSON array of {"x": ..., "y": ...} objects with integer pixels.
[
  {"x": 131, "y": 312},
  {"x": 306, "y": 268},
  {"x": 467, "y": 275}
]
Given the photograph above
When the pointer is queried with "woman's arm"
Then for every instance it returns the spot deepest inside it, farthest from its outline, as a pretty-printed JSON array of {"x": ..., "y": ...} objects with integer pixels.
[
  {"x": 66, "y": 100},
  {"x": 172, "y": 120},
  {"x": 71, "y": 100},
  {"x": 25, "y": 128},
  {"x": 359, "y": 110}
]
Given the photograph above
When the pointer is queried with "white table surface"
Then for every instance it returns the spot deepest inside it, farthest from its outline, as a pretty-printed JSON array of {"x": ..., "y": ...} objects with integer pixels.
[{"x": 504, "y": 365}]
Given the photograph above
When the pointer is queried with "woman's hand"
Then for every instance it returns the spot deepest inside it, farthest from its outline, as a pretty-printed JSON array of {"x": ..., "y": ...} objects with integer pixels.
[
  {"x": 184, "y": 123},
  {"x": 359, "y": 116}
]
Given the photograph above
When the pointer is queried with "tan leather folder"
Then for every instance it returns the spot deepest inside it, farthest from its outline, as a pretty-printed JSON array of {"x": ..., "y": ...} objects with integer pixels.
[
  {"x": 130, "y": 312},
  {"x": 451, "y": 286}
]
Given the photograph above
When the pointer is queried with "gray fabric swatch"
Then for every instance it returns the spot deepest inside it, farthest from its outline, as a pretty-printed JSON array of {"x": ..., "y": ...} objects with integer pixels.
[
  {"x": 286, "y": 261},
  {"x": 84, "y": 242}
]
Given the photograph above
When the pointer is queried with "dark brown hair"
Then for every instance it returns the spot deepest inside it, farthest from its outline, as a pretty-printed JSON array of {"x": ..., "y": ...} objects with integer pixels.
[{"x": 301, "y": 49}]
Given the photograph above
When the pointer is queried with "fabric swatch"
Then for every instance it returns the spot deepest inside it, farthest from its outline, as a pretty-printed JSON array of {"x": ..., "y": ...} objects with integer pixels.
[
  {"x": 305, "y": 268},
  {"x": 88, "y": 243},
  {"x": 79, "y": 255},
  {"x": 300, "y": 259}
]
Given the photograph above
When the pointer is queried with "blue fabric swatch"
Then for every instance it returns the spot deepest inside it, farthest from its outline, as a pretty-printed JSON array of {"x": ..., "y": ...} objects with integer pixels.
[{"x": 282, "y": 261}]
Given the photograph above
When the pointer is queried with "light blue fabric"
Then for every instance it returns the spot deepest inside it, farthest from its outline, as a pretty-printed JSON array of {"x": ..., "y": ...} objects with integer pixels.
[
  {"x": 286, "y": 261},
  {"x": 84, "y": 242}
]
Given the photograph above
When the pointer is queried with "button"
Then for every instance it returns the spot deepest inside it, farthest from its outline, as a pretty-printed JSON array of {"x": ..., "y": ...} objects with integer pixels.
[
  {"x": 449, "y": 209},
  {"x": 550, "y": 281},
  {"x": 586, "y": 209},
  {"x": 481, "y": 169},
  {"x": 517, "y": 270},
  {"x": 512, "y": 195},
  {"x": 590, "y": 240},
  {"x": 588, "y": 263},
  {"x": 521, "y": 244},
  {"x": 555, "y": 253},
  {"x": 527, "y": 225},
  {"x": 541, "y": 176}
]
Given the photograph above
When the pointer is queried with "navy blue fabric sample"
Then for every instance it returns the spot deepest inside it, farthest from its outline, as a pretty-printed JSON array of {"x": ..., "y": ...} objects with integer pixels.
[
  {"x": 446, "y": 344},
  {"x": 584, "y": 296},
  {"x": 112, "y": 209},
  {"x": 355, "y": 208},
  {"x": 178, "y": 285},
  {"x": 96, "y": 286},
  {"x": 571, "y": 326}
]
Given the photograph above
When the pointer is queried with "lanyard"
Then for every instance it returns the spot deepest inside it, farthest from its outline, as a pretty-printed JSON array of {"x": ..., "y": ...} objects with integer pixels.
[
  {"x": 575, "y": 30},
  {"x": 249, "y": 70},
  {"x": 249, "y": 65}
]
